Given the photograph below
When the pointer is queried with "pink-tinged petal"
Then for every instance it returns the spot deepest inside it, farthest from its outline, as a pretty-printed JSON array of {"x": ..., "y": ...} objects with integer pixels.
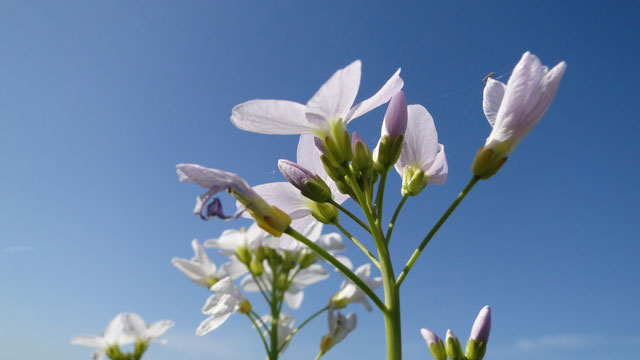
[
  {"x": 439, "y": 169},
  {"x": 271, "y": 117},
  {"x": 392, "y": 86},
  {"x": 420, "y": 145},
  {"x": 492, "y": 98},
  {"x": 284, "y": 196},
  {"x": 395, "y": 119},
  {"x": 293, "y": 297},
  {"x": 92, "y": 341},
  {"x": 482, "y": 325},
  {"x": 213, "y": 179},
  {"x": 549, "y": 85},
  {"x": 336, "y": 96},
  {"x": 430, "y": 337}
]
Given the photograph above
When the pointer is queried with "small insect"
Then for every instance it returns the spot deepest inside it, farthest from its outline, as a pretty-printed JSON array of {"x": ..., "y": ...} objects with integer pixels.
[{"x": 489, "y": 75}]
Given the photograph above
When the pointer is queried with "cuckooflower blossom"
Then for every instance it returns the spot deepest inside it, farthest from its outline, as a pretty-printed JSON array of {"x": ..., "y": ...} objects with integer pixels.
[
  {"x": 285, "y": 328},
  {"x": 202, "y": 271},
  {"x": 270, "y": 218},
  {"x": 351, "y": 293},
  {"x": 114, "y": 336},
  {"x": 226, "y": 301},
  {"x": 515, "y": 108},
  {"x": 138, "y": 329},
  {"x": 422, "y": 160},
  {"x": 231, "y": 239},
  {"x": 332, "y": 103},
  {"x": 339, "y": 327}
]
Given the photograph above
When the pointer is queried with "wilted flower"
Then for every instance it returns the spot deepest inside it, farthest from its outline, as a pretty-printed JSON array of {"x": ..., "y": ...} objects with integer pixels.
[
  {"x": 226, "y": 301},
  {"x": 514, "y": 109},
  {"x": 202, "y": 271},
  {"x": 422, "y": 160},
  {"x": 270, "y": 218},
  {"x": 339, "y": 327}
]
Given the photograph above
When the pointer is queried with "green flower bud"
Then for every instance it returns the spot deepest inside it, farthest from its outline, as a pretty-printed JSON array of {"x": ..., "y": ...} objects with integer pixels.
[
  {"x": 243, "y": 254},
  {"x": 361, "y": 154},
  {"x": 337, "y": 144},
  {"x": 281, "y": 281},
  {"x": 487, "y": 162},
  {"x": 310, "y": 185},
  {"x": 325, "y": 213},
  {"x": 453, "y": 348},
  {"x": 256, "y": 267},
  {"x": 307, "y": 259},
  {"x": 387, "y": 152},
  {"x": 259, "y": 253},
  {"x": 289, "y": 261}
]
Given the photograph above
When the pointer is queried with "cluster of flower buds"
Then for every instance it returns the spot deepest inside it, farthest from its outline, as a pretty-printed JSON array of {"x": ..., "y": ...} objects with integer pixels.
[{"x": 451, "y": 348}]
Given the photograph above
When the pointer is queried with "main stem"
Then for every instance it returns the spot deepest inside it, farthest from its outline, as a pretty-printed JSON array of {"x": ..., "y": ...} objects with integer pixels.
[
  {"x": 275, "y": 318},
  {"x": 392, "y": 319}
]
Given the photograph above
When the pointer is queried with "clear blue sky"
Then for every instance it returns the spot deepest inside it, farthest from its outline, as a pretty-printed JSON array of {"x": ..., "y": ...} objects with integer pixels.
[{"x": 100, "y": 99}]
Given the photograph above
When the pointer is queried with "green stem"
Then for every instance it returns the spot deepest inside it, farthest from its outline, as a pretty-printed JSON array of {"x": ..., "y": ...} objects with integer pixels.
[
  {"x": 391, "y": 295},
  {"x": 275, "y": 318},
  {"x": 288, "y": 338},
  {"x": 264, "y": 341},
  {"x": 262, "y": 291},
  {"x": 345, "y": 270},
  {"x": 380, "y": 194},
  {"x": 392, "y": 224},
  {"x": 351, "y": 215},
  {"x": 359, "y": 245},
  {"x": 435, "y": 228},
  {"x": 319, "y": 355}
]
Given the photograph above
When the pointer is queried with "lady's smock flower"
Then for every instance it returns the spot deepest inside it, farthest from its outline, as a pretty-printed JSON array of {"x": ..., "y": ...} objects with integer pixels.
[
  {"x": 114, "y": 336},
  {"x": 350, "y": 292},
  {"x": 339, "y": 327},
  {"x": 226, "y": 301},
  {"x": 270, "y": 218},
  {"x": 422, "y": 160},
  {"x": 514, "y": 109},
  {"x": 202, "y": 271},
  {"x": 144, "y": 332}
]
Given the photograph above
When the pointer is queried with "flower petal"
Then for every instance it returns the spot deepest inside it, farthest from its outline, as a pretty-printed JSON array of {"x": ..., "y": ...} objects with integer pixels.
[
  {"x": 492, "y": 98},
  {"x": 439, "y": 169},
  {"x": 193, "y": 271},
  {"x": 420, "y": 145},
  {"x": 392, "y": 86},
  {"x": 232, "y": 269},
  {"x": 213, "y": 322},
  {"x": 157, "y": 329},
  {"x": 271, "y": 117},
  {"x": 310, "y": 275},
  {"x": 284, "y": 196},
  {"x": 335, "y": 97},
  {"x": 293, "y": 297},
  {"x": 91, "y": 341}
]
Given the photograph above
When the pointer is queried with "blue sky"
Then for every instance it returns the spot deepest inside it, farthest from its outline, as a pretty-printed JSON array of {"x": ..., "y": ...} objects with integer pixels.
[{"x": 100, "y": 99}]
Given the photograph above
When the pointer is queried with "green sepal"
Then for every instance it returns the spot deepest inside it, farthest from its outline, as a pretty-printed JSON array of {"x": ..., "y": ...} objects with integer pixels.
[{"x": 475, "y": 350}]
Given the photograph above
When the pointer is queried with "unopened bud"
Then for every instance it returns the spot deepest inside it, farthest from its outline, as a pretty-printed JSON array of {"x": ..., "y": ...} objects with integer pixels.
[
  {"x": 337, "y": 144},
  {"x": 307, "y": 259},
  {"x": 244, "y": 306},
  {"x": 387, "y": 152},
  {"x": 395, "y": 119},
  {"x": 281, "y": 281},
  {"x": 477, "y": 344},
  {"x": 256, "y": 267},
  {"x": 453, "y": 348},
  {"x": 361, "y": 154},
  {"x": 434, "y": 343},
  {"x": 413, "y": 181},
  {"x": 259, "y": 253},
  {"x": 324, "y": 212},
  {"x": 243, "y": 254},
  {"x": 309, "y": 184},
  {"x": 289, "y": 261}
]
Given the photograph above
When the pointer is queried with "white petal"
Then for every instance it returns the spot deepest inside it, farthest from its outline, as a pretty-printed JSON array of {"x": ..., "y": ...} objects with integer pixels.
[
  {"x": 310, "y": 275},
  {"x": 227, "y": 286},
  {"x": 228, "y": 241},
  {"x": 313, "y": 231},
  {"x": 233, "y": 269},
  {"x": 335, "y": 97},
  {"x": 212, "y": 323},
  {"x": 284, "y": 196},
  {"x": 91, "y": 341},
  {"x": 271, "y": 117},
  {"x": 439, "y": 169},
  {"x": 420, "y": 145},
  {"x": 549, "y": 85},
  {"x": 390, "y": 88},
  {"x": 202, "y": 258},
  {"x": 248, "y": 284},
  {"x": 213, "y": 179},
  {"x": 345, "y": 261},
  {"x": 116, "y": 328},
  {"x": 158, "y": 328},
  {"x": 193, "y": 271},
  {"x": 293, "y": 297},
  {"x": 492, "y": 98},
  {"x": 331, "y": 242}
]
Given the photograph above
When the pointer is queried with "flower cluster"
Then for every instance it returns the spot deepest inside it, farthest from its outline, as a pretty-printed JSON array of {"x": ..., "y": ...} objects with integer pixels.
[{"x": 124, "y": 329}]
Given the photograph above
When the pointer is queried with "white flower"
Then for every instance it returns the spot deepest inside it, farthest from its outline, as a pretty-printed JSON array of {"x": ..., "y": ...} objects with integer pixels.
[
  {"x": 515, "y": 108},
  {"x": 231, "y": 239},
  {"x": 226, "y": 301},
  {"x": 339, "y": 328},
  {"x": 422, "y": 158},
  {"x": 285, "y": 327},
  {"x": 138, "y": 329},
  {"x": 350, "y": 292},
  {"x": 202, "y": 271},
  {"x": 333, "y": 102},
  {"x": 114, "y": 335}
]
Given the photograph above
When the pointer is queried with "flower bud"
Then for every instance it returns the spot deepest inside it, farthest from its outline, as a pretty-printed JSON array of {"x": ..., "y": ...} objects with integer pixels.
[
  {"x": 434, "y": 343},
  {"x": 307, "y": 259},
  {"x": 337, "y": 144},
  {"x": 361, "y": 154},
  {"x": 244, "y": 306},
  {"x": 325, "y": 213},
  {"x": 139, "y": 348},
  {"x": 310, "y": 185},
  {"x": 395, "y": 119},
  {"x": 243, "y": 254},
  {"x": 477, "y": 344},
  {"x": 259, "y": 253},
  {"x": 453, "y": 348},
  {"x": 413, "y": 181},
  {"x": 289, "y": 262},
  {"x": 256, "y": 267}
]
